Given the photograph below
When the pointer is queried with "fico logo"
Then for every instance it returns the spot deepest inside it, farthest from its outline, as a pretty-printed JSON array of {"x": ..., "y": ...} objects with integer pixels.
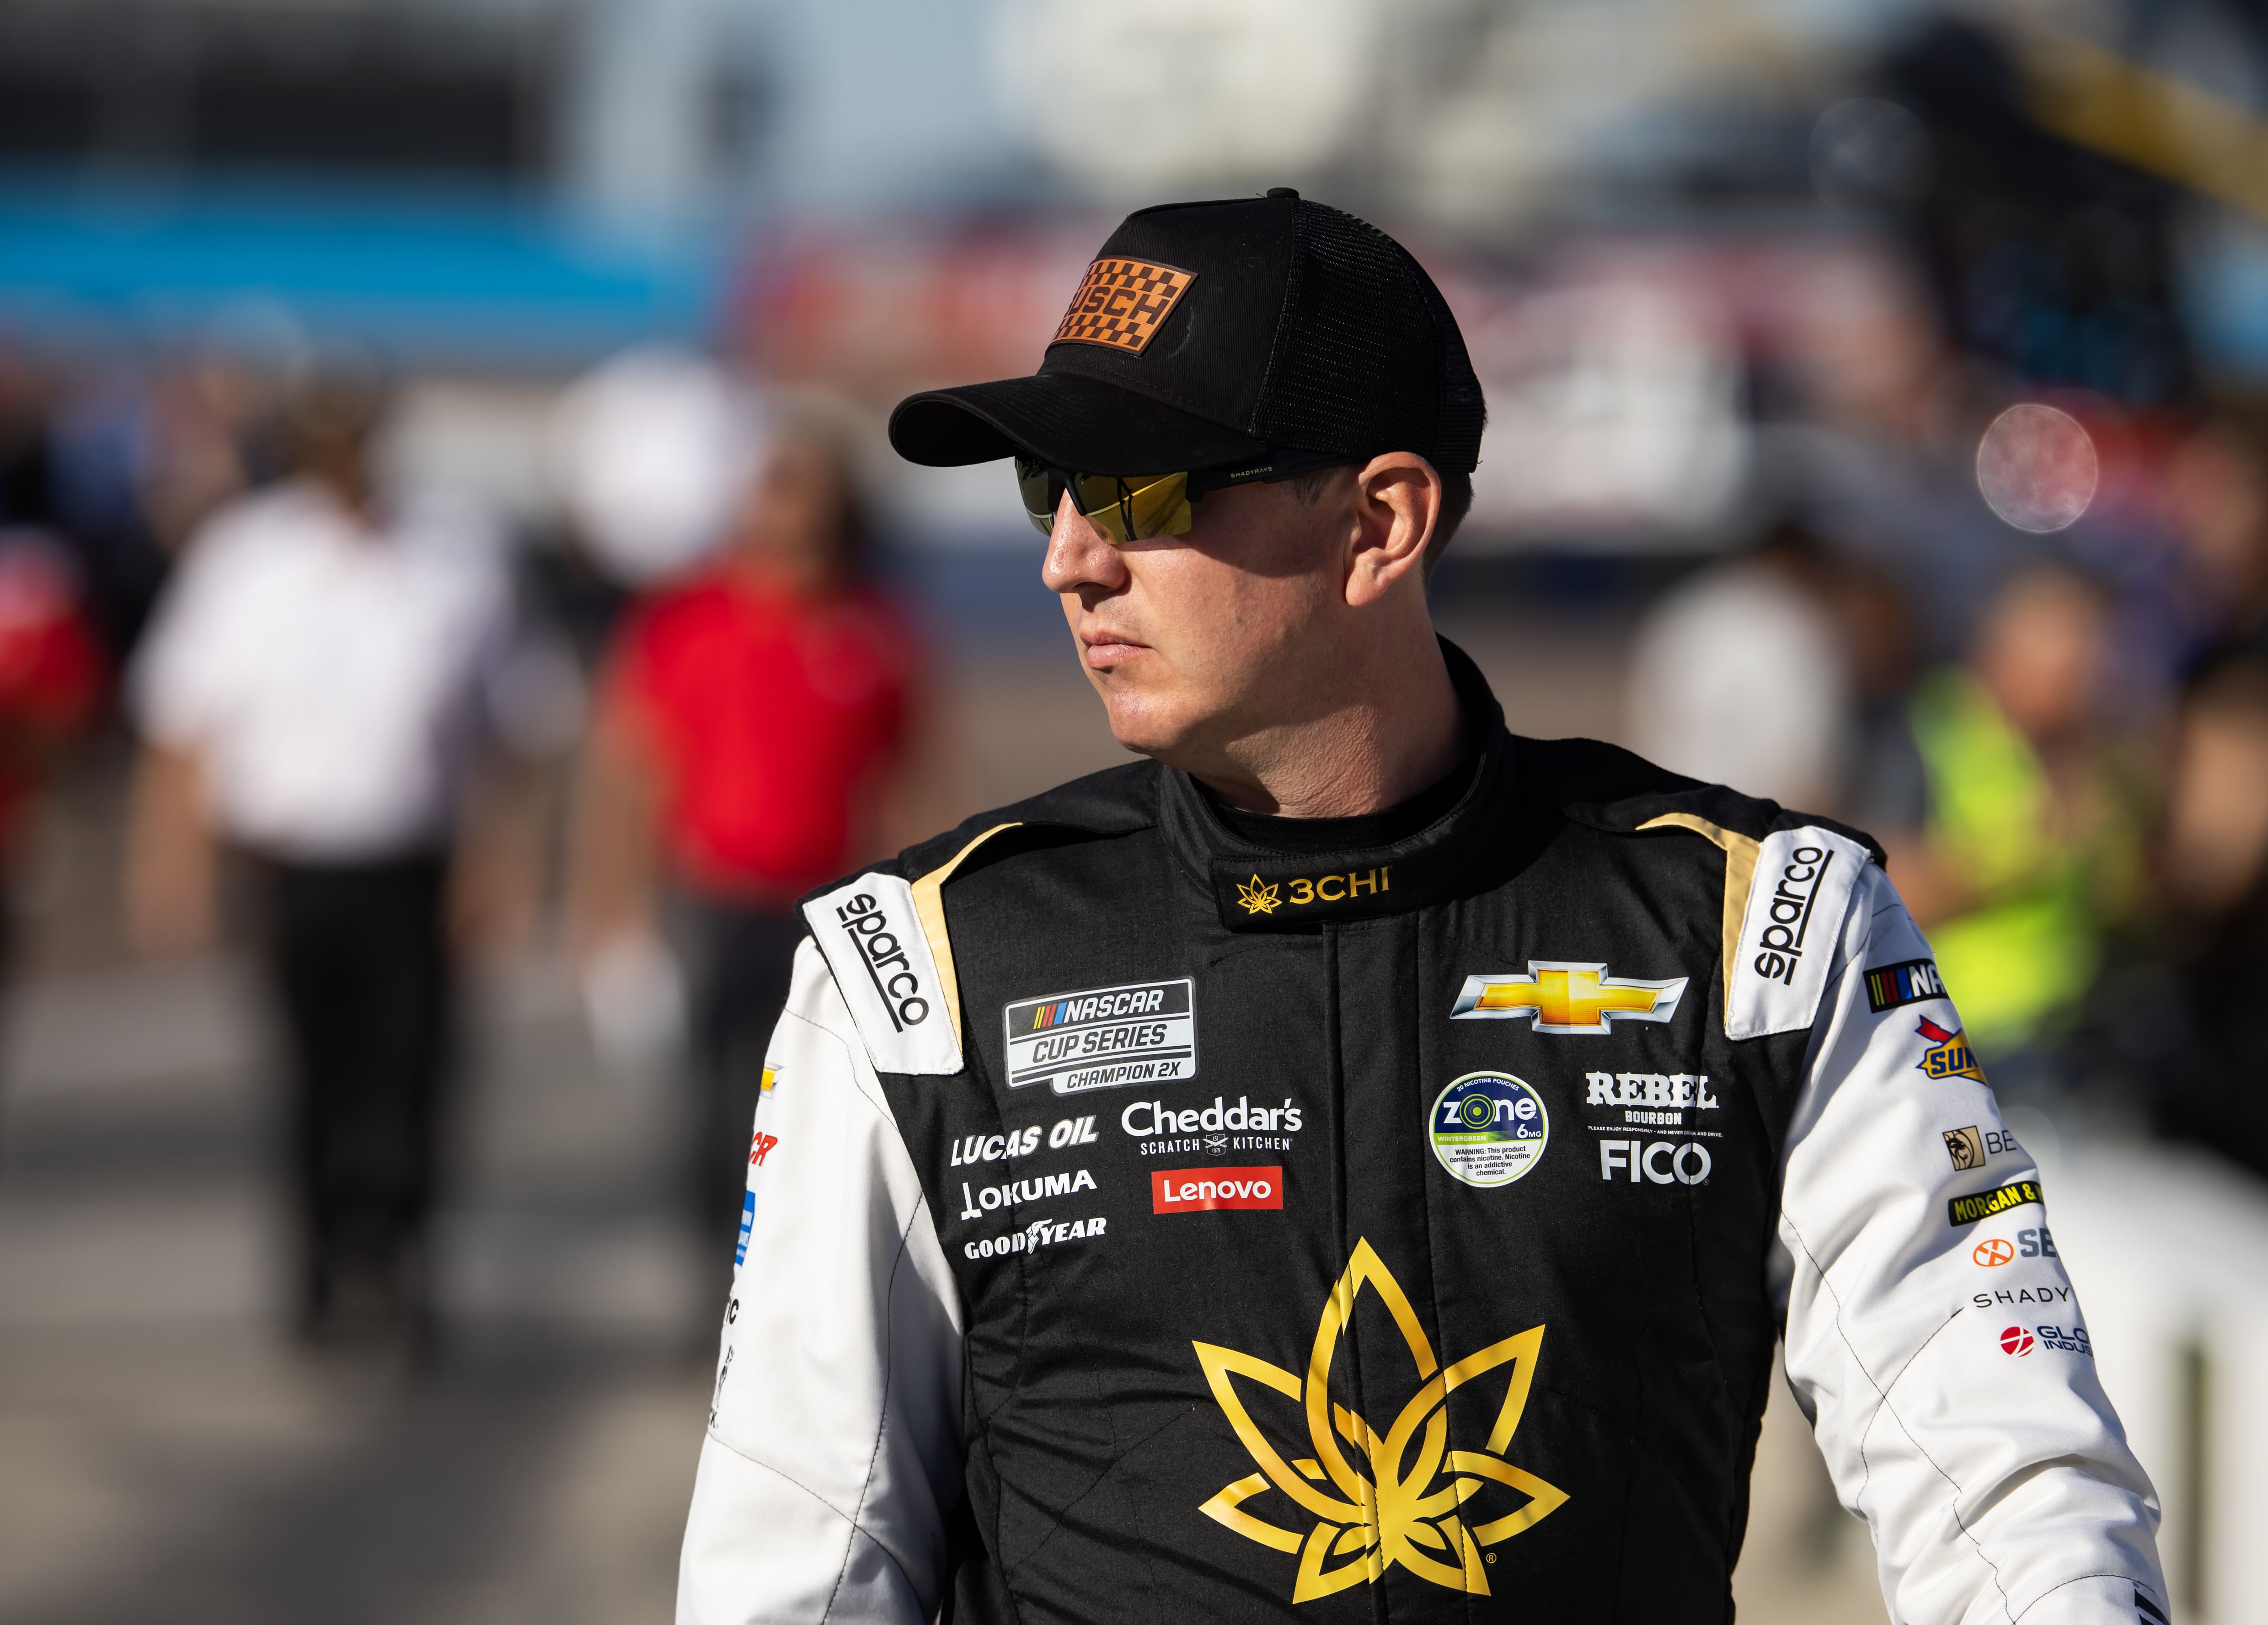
[{"x": 1205, "y": 1190}]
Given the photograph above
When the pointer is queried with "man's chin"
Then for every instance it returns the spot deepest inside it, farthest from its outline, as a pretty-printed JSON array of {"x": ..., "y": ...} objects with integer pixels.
[{"x": 1143, "y": 727}]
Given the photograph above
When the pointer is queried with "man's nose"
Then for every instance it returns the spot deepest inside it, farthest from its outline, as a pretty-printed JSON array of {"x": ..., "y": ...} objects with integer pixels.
[{"x": 1080, "y": 556}]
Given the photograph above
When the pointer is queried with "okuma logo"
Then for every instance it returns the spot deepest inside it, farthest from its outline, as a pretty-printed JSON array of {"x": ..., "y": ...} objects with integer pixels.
[{"x": 1402, "y": 1499}]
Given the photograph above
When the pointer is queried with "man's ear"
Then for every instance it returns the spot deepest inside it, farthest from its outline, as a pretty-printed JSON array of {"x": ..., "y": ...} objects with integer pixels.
[{"x": 1397, "y": 501}]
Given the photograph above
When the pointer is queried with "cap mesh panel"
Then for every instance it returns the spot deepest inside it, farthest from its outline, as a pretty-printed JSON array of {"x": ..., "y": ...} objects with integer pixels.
[{"x": 1367, "y": 358}]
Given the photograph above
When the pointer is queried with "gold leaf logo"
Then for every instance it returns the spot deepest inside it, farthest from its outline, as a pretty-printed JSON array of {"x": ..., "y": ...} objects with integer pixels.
[
  {"x": 1256, "y": 898},
  {"x": 1401, "y": 1499}
]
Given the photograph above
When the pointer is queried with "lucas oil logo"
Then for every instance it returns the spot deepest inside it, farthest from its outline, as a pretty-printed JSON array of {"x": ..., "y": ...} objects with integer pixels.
[
  {"x": 1489, "y": 1129},
  {"x": 1143, "y": 1033},
  {"x": 1567, "y": 997}
]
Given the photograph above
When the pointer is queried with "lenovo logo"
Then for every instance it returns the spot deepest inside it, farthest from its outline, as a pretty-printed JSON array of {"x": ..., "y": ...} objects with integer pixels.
[{"x": 1202, "y": 1190}]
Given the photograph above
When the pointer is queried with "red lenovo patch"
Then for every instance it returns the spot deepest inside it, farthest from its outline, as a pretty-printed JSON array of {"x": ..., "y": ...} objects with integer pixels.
[{"x": 1203, "y": 1190}]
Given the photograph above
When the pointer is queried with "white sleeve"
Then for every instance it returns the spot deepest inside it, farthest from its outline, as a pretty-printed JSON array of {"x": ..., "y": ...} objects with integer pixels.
[
  {"x": 833, "y": 1451},
  {"x": 1943, "y": 1361}
]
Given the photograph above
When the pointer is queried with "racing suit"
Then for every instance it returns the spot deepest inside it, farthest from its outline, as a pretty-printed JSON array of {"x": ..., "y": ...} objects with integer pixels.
[{"x": 1144, "y": 1223}]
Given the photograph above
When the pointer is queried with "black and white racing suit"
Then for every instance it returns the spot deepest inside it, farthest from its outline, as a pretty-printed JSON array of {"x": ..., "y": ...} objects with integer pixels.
[{"x": 1144, "y": 1223}]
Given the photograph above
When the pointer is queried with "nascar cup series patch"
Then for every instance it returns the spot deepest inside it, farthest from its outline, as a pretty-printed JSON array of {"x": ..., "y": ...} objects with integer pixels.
[
  {"x": 1141, "y": 1033},
  {"x": 1489, "y": 1129}
]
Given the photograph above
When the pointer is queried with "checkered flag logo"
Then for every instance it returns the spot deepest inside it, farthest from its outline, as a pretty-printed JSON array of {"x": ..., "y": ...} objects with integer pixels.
[{"x": 1122, "y": 303}]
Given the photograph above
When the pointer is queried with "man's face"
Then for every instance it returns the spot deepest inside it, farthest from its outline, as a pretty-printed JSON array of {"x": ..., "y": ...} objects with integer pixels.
[{"x": 1201, "y": 639}]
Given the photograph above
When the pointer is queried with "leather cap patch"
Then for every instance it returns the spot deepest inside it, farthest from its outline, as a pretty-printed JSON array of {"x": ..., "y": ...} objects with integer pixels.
[{"x": 1122, "y": 303}]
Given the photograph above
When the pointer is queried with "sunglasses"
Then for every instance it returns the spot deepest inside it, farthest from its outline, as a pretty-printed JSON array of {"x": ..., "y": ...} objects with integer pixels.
[{"x": 1144, "y": 507}]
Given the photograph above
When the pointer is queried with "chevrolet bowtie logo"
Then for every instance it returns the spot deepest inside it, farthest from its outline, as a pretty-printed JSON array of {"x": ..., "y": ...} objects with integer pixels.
[
  {"x": 1399, "y": 1506},
  {"x": 1256, "y": 898},
  {"x": 1567, "y": 998}
]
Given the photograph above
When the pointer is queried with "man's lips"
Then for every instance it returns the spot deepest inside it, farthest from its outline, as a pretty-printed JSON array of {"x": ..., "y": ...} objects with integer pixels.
[{"x": 1108, "y": 649}]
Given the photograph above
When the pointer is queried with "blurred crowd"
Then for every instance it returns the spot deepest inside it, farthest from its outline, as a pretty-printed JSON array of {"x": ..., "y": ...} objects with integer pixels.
[
  {"x": 2021, "y": 636},
  {"x": 377, "y": 735},
  {"x": 2046, "y": 693}
]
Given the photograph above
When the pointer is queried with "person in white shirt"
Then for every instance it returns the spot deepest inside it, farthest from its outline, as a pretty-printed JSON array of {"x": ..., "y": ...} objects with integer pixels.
[{"x": 319, "y": 678}]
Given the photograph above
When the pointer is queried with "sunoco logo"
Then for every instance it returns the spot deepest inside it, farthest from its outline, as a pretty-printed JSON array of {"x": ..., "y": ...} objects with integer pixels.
[
  {"x": 1103, "y": 1037},
  {"x": 884, "y": 956}
]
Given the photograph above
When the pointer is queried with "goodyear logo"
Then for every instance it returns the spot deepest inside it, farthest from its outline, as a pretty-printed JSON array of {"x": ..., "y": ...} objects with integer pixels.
[
  {"x": 1968, "y": 1209},
  {"x": 1122, "y": 303},
  {"x": 1567, "y": 997},
  {"x": 1400, "y": 1497}
]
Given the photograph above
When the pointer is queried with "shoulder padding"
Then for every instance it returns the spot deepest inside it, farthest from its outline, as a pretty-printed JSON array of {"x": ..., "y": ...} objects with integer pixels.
[
  {"x": 1789, "y": 875},
  {"x": 883, "y": 929}
]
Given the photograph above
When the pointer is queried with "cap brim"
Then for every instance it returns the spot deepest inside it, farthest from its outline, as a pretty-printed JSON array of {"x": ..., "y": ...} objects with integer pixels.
[{"x": 1062, "y": 419}]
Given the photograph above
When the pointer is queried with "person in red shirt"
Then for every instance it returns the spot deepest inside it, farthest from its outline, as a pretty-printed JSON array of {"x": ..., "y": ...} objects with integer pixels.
[
  {"x": 755, "y": 737},
  {"x": 52, "y": 671}
]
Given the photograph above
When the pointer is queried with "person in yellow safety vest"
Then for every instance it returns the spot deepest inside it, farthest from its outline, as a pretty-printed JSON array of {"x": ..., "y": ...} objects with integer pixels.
[{"x": 2030, "y": 845}]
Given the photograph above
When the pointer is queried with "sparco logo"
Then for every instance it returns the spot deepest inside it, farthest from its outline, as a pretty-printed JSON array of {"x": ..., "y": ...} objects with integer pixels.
[
  {"x": 884, "y": 956},
  {"x": 1779, "y": 949}
]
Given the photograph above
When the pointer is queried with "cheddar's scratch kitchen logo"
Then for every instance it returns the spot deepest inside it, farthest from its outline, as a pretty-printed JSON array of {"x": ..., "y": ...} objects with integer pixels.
[
  {"x": 1399, "y": 1498},
  {"x": 1567, "y": 997}
]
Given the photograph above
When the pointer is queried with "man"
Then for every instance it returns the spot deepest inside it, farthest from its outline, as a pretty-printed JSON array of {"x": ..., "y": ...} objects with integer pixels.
[
  {"x": 315, "y": 684},
  {"x": 1353, "y": 1163}
]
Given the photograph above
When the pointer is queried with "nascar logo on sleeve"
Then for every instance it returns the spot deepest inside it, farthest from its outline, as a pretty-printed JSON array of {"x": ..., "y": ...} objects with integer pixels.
[{"x": 1907, "y": 982}]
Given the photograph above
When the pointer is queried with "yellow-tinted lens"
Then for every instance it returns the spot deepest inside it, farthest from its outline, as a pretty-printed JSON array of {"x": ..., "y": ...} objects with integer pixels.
[{"x": 1136, "y": 507}]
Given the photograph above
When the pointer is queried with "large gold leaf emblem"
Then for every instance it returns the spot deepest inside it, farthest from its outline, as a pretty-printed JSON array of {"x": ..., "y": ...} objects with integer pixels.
[{"x": 1400, "y": 1498}]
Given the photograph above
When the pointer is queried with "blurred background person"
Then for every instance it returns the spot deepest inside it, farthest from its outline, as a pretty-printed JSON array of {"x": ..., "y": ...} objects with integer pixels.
[
  {"x": 1738, "y": 676},
  {"x": 2210, "y": 1080},
  {"x": 762, "y": 726},
  {"x": 2030, "y": 840},
  {"x": 322, "y": 674},
  {"x": 53, "y": 673}
]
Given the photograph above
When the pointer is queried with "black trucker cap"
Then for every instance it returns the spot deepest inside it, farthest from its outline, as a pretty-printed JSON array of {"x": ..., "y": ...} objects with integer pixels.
[{"x": 1207, "y": 334}]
